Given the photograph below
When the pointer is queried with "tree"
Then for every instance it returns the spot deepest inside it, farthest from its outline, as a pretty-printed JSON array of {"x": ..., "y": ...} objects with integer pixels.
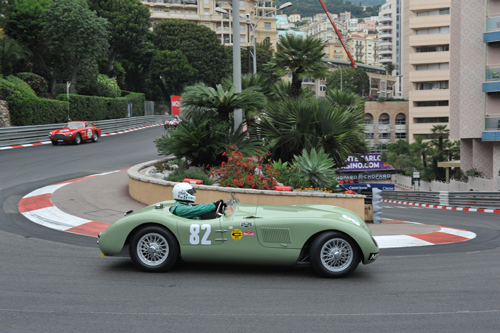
[
  {"x": 73, "y": 31},
  {"x": 354, "y": 80},
  {"x": 291, "y": 125},
  {"x": 172, "y": 71},
  {"x": 389, "y": 68},
  {"x": 199, "y": 44},
  {"x": 10, "y": 53},
  {"x": 129, "y": 27},
  {"x": 202, "y": 99},
  {"x": 302, "y": 57}
]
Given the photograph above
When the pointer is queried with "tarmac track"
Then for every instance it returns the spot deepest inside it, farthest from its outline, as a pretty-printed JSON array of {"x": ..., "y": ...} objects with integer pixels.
[{"x": 52, "y": 281}]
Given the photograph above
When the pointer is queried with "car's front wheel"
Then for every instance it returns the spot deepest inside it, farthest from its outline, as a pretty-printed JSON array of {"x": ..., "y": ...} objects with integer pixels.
[
  {"x": 55, "y": 143},
  {"x": 154, "y": 249},
  {"x": 78, "y": 139},
  {"x": 334, "y": 254},
  {"x": 95, "y": 137}
]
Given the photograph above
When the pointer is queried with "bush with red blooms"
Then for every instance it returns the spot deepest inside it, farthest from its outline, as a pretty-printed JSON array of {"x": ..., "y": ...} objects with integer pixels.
[{"x": 245, "y": 172}]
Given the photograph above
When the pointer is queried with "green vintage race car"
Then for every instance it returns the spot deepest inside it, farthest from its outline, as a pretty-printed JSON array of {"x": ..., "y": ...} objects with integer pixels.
[{"x": 332, "y": 239}]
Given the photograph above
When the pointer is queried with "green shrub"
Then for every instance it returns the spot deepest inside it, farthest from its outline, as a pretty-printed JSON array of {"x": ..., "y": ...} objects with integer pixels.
[
  {"x": 317, "y": 168},
  {"x": 180, "y": 175},
  {"x": 288, "y": 175},
  {"x": 36, "y": 82},
  {"x": 108, "y": 85}
]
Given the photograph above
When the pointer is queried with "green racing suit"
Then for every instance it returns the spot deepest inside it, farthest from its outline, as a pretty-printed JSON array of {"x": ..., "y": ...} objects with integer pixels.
[{"x": 188, "y": 211}]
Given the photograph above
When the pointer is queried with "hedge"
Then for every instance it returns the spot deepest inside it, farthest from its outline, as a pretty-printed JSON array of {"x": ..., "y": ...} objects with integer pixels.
[{"x": 27, "y": 109}]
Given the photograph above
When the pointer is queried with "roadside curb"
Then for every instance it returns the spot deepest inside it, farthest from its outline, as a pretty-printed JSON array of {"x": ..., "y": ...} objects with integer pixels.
[
  {"x": 38, "y": 207},
  {"x": 461, "y": 209},
  {"x": 105, "y": 134}
]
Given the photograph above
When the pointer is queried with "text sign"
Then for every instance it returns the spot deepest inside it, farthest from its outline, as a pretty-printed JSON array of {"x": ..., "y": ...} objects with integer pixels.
[
  {"x": 373, "y": 162},
  {"x": 176, "y": 104}
]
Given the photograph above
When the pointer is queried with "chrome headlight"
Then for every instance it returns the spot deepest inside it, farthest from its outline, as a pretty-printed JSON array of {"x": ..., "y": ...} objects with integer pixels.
[{"x": 70, "y": 135}]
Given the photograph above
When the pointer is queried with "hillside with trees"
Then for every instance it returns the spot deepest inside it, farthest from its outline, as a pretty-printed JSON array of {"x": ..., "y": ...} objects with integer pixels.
[{"x": 312, "y": 7}]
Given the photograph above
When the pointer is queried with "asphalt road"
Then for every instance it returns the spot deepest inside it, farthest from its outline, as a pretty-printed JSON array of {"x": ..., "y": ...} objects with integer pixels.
[{"x": 52, "y": 281}]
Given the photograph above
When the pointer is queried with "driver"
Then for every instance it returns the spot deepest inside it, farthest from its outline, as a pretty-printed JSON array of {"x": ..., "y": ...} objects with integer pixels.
[{"x": 183, "y": 194}]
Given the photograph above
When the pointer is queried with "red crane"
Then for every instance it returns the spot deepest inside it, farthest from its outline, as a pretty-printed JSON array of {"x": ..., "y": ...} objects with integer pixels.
[{"x": 353, "y": 64}]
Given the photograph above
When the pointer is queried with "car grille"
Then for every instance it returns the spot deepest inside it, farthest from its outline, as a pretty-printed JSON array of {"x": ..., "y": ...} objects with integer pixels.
[{"x": 59, "y": 137}]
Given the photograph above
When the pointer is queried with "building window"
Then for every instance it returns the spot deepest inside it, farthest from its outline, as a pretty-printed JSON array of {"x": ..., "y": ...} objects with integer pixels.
[
  {"x": 400, "y": 135},
  {"x": 432, "y": 103},
  {"x": 322, "y": 88},
  {"x": 207, "y": 25},
  {"x": 432, "y": 31},
  {"x": 369, "y": 136},
  {"x": 432, "y": 85},
  {"x": 385, "y": 135},
  {"x": 267, "y": 25},
  {"x": 438, "y": 48},
  {"x": 431, "y": 120},
  {"x": 206, "y": 2}
]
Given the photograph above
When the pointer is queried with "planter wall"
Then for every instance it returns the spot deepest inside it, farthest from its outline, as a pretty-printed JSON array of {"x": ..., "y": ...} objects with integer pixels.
[{"x": 149, "y": 190}]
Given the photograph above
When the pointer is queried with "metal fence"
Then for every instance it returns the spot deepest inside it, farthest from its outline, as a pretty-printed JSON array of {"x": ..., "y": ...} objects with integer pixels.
[
  {"x": 10, "y": 136},
  {"x": 490, "y": 199},
  {"x": 473, "y": 184}
]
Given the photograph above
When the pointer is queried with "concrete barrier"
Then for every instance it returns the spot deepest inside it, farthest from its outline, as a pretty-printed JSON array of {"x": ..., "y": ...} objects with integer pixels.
[{"x": 149, "y": 190}]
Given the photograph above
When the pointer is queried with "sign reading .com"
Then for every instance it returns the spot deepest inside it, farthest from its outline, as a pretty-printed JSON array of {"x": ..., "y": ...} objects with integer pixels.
[{"x": 373, "y": 162}]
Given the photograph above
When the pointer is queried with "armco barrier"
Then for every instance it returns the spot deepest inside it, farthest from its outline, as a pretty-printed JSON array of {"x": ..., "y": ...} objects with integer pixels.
[
  {"x": 490, "y": 199},
  {"x": 28, "y": 134}
]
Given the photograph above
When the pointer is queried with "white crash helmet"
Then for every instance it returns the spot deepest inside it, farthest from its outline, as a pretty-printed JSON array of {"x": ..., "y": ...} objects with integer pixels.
[{"x": 184, "y": 192}]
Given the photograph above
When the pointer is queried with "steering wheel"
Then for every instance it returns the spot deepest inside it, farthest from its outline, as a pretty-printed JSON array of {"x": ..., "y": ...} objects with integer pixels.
[{"x": 219, "y": 211}]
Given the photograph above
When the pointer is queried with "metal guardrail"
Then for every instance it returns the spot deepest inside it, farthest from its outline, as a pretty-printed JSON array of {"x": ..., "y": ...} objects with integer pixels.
[
  {"x": 444, "y": 198},
  {"x": 10, "y": 136}
]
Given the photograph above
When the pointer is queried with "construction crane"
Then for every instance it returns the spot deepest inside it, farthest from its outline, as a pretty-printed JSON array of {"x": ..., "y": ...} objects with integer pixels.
[{"x": 353, "y": 63}]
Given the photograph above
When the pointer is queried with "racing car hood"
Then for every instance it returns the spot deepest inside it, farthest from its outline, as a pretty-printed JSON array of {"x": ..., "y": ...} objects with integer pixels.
[{"x": 64, "y": 130}]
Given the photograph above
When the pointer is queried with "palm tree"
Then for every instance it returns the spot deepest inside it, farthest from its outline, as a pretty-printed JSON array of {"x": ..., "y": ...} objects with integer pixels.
[
  {"x": 344, "y": 99},
  {"x": 389, "y": 68},
  {"x": 303, "y": 57},
  {"x": 440, "y": 131},
  {"x": 291, "y": 125},
  {"x": 200, "y": 99}
]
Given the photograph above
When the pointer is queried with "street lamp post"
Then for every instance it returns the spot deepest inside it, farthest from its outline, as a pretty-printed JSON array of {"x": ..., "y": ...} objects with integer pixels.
[
  {"x": 254, "y": 25},
  {"x": 340, "y": 69},
  {"x": 68, "y": 84}
]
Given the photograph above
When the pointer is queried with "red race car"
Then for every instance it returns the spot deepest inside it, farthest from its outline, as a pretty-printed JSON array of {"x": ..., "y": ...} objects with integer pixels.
[
  {"x": 172, "y": 123},
  {"x": 76, "y": 132}
]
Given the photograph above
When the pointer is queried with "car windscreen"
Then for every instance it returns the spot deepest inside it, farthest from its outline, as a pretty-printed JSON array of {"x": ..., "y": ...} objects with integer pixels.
[{"x": 75, "y": 125}]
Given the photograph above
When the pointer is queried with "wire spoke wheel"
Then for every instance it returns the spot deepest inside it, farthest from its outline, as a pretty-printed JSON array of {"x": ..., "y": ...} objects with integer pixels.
[
  {"x": 336, "y": 255},
  {"x": 152, "y": 249}
]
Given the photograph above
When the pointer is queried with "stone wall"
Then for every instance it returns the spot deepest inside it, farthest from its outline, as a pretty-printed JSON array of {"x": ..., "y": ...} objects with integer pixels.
[{"x": 4, "y": 114}]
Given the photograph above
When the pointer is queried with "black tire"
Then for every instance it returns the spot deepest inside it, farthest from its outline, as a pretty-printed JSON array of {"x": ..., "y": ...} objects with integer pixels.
[
  {"x": 154, "y": 249},
  {"x": 78, "y": 139},
  {"x": 55, "y": 143},
  {"x": 334, "y": 254},
  {"x": 95, "y": 137}
]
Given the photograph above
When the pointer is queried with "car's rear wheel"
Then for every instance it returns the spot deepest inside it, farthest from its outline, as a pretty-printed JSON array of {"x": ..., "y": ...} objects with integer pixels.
[
  {"x": 78, "y": 139},
  {"x": 154, "y": 249},
  {"x": 334, "y": 254},
  {"x": 95, "y": 137}
]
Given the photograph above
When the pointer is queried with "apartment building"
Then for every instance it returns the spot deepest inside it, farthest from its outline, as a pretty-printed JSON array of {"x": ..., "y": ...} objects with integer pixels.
[
  {"x": 364, "y": 47},
  {"x": 390, "y": 34},
  {"x": 292, "y": 18},
  {"x": 474, "y": 101},
  {"x": 426, "y": 65},
  {"x": 203, "y": 12}
]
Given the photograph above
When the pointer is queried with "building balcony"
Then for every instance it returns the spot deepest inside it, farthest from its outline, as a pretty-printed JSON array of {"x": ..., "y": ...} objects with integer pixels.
[
  {"x": 429, "y": 95},
  {"x": 492, "y": 129},
  {"x": 426, "y": 22},
  {"x": 492, "y": 34},
  {"x": 383, "y": 51},
  {"x": 429, "y": 58},
  {"x": 385, "y": 27},
  {"x": 430, "y": 111},
  {"x": 400, "y": 129},
  {"x": 429, "y": 40},
  {"x": 385, "y": 18},
  {"x": 423, "y": 5},
  {"x": 424, "y": 76},
  {"x": 492, "y": 84}
]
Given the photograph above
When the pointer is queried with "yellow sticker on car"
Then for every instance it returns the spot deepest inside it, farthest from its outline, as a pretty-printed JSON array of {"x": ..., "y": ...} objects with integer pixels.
[{"x": 236, "y": 234}]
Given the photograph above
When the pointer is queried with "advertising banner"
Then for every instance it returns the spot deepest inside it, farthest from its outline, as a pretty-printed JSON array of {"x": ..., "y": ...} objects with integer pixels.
[
  {"x": 176, "y": 104},
  {"x": 373, "y": 163}
]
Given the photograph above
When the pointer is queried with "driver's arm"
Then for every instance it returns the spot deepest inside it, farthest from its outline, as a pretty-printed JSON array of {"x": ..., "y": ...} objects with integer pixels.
[{"x": 198, "y": 210}]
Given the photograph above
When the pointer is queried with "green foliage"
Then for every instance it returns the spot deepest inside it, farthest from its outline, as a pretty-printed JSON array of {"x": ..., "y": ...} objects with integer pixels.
[
  {"x": 172, "y": 71},
  {"x": 245, "y": 172},
  {"x": 95, "y": 108},
  {"x": 292, "y": 125},
  {"x": 201, "y": 99},
  {"x": 202, "y": 140},
  {"x": 10, "y": 54},
  {"x": 175, "y": 164},
  {"x": 36, "y": 82},
  {"x": 317, "y": 167},
  {"x": 180, "y": 175},
  {"x": 111, "y": 84},
  {"x": 354, "y": 80},
  {"x": 198, "y": 44},
  {"x": 288, "y": 175},
  {"x": 302, "y": 57}
]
